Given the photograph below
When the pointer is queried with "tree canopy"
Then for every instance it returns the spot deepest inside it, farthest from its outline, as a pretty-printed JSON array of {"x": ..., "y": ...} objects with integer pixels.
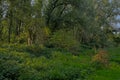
[{"x": 35, "y": 21}]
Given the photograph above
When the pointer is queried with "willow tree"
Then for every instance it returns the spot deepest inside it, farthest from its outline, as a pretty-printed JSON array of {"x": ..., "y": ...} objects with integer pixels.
[
  {"x": 0, "y": 19},
  {"x": 86, "y": 18}
]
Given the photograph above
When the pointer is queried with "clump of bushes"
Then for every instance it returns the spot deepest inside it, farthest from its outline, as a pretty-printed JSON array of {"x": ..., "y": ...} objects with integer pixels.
[
  {"x": 117, "y": 40},
  {"x": 9, "y": 70},
  {"x": 64, "y": 39},
  {"x": 101, "y": 59},
  {"x": 21, "y": 66}
]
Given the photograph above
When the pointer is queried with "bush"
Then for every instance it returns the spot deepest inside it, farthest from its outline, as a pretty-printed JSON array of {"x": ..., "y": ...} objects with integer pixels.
[
  {"x": 11, "y": 64},
  {"x": 101, "y": 59},
  {"x": 21, "y": 66},
  {"x": 58, "y": 67},
  {"x": 64, "y": 39},
  {"x": 9, "y": 70},
  {"x": 117, "y": 40}
]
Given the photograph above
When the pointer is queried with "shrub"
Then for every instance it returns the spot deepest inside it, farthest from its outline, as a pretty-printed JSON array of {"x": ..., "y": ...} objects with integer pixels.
[
  {"x": 64, "y": 39},
  {"x": 117, "y": 40},
  {"x": 101, "y": 59},
  {"x": 10, "y": 64},
  {"x": 21, "y": 66},
  {"x": 9, "y": 70}
]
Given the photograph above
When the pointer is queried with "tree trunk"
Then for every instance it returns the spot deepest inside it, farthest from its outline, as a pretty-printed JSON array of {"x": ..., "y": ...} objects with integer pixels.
[{"x": 10, "y": 26}]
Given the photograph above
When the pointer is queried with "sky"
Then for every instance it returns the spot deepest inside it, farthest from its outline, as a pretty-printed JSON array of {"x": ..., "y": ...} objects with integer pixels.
[{"x": 117, "y": 25}]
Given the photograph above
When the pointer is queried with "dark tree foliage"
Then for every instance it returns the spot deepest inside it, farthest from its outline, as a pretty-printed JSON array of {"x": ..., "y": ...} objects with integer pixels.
[{"x": 36, "y": 21}]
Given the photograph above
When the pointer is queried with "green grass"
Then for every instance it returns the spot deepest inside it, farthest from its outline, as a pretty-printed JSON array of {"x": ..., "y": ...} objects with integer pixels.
[
  {"x": 113, "y": 71},
  {"x": 114, "y": 54}
]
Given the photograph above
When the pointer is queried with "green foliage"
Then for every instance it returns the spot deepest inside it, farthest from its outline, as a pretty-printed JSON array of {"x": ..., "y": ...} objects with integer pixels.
[
  {"x": 22, "y": 66},
  {"x": 101, "y": 59},
  {"x": 64, "y": 39},
  {"x": 117, "y": 40},
  {"x": 112, "y": 72},
  {"x": 48, "y": 35},
  {"x": 10, "y": 64},
  {"x": 9, "y": 69},
  {"x": 114, "y": 54},
  {"x": 63, "y": 23}
]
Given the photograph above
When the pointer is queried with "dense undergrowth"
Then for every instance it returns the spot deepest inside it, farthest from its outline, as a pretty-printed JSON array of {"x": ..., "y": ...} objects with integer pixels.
[{"x": 40, "y": 63}]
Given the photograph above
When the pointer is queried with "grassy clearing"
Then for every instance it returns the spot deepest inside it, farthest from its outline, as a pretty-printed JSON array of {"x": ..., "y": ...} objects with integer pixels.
[{"x": 113, "y": 71}]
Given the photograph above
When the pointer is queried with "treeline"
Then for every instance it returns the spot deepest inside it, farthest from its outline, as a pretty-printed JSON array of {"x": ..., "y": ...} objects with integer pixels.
[{"x": 66, "y": 24}]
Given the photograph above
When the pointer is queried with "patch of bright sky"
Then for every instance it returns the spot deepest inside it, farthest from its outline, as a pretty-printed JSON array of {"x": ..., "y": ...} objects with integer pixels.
[
  {"x": 32, "y": 2},
  {"x": 117, "y": 17},
  {"x": 110, "y": 0},
  {"x": 116, "y": 25}
]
